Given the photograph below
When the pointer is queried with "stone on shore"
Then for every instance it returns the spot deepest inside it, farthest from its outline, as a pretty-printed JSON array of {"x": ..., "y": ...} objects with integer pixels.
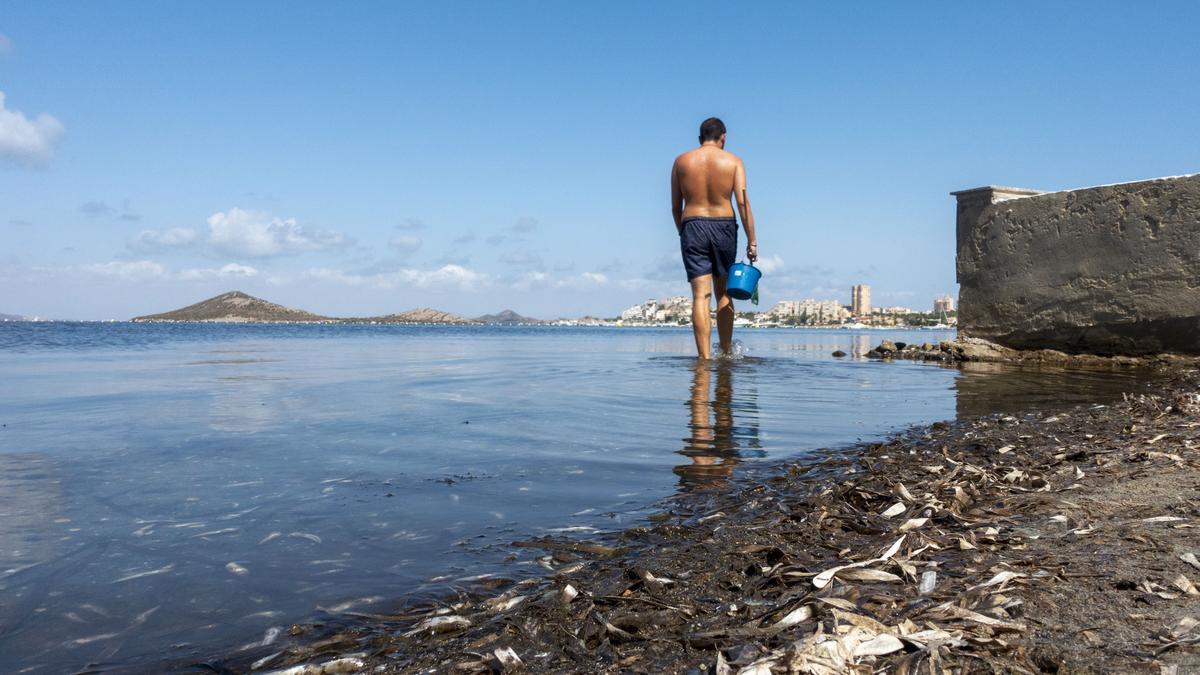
[{"x": 977, "y": 350}]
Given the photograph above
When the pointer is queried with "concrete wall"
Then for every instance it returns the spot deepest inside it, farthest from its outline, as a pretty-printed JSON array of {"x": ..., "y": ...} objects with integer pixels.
[{"x": 1108, "y": 270}]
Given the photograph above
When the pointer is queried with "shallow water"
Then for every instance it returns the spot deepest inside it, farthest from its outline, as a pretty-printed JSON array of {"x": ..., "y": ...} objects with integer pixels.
[{"x": 169, "y": 491}]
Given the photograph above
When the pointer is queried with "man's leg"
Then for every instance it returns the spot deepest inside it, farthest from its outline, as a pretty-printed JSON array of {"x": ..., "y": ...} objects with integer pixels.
[
  {"x": 725, "y": 315},
  {"x": 701, "y": 322}
]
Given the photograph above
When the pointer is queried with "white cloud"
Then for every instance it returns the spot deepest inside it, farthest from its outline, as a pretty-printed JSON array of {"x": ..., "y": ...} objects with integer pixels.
[
  {"x": 405, "y": 244},
  {"x": 529, "y": 280},
  {"x": 26, "y": 141},
  {"x": 134, "y": 270},
  {"x": 150, "y": 241},
  {"x": 255, "y": 234},
  {"x": 230, "y": 271},
  {"x": 584, "y": 281},
  {"x": 444, "y": 277},
  {"x": 769, "y": 264},
  {"x": 149, "y": 270}
]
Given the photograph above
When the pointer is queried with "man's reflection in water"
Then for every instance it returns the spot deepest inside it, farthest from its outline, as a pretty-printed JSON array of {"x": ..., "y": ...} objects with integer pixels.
[{"x": 714, "y": 442}]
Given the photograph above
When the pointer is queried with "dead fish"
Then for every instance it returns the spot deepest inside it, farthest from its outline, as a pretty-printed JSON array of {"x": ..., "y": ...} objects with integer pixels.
[
  {"x": 928, "y": 581},
  {"x": 94, "y": 638},
  {"x": 796, "y": 616},
  {"x": 264, "y": 660},
  {"x": 508, "y": 659},
  {"x": 440, "y": 624},
  {"x": 341, "y": 607},
  {"x": 572, "y": 568},
  {"x": 347, "y": 664},
  {"x": 269, "y": 537},
  {"x": 237, "y": 569},
  {"x": 211, "y": 533},
  {"x": 263, "y": 615},
  {"x": 305, "y": 535},
  {"x": 141, "y": 618},
  {"x": 503, "y": 604},
  {"x": 239, "y": 514},
  {"x": 477, "y": 577},
  {"x": 822, "y": 580},
  {"x": 148, "y": 573}
]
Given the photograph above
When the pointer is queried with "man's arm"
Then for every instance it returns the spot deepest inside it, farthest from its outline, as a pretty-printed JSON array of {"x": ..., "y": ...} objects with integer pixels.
[
  {"x": 743, "y": 203},
  {"x": 676, "y": 198}
]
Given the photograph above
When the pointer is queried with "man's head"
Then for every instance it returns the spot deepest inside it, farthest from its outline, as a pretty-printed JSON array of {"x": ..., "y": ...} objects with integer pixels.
[{"x": 712, "y": 130}]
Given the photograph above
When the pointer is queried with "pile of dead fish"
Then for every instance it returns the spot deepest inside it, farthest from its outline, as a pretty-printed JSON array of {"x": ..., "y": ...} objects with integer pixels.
[{"x": 906, "y": 556}]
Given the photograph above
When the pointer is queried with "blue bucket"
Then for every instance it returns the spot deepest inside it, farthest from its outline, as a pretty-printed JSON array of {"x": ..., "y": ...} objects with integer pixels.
[{"x": 743, "y": 279}]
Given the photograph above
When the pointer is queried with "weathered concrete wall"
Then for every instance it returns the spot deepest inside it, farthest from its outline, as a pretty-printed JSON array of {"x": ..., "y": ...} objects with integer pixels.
[{"x": 1107, "y": 270}]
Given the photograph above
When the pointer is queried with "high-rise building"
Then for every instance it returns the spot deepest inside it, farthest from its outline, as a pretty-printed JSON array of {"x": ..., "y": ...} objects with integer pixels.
[
  {"x": 943, "y": 303},
  {"x": 860, "y": 300}
]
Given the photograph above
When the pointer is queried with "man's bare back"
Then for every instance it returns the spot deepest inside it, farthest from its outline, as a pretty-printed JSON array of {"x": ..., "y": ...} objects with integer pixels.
[
  {"x": 706, "y": 178},
  {"x": 705, "y": 183}
]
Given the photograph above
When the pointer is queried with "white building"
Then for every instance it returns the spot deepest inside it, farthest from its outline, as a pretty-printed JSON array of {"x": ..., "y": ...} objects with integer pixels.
[
  {"x": 670, "y": 310},
  {"x": 810, "y": 311}
]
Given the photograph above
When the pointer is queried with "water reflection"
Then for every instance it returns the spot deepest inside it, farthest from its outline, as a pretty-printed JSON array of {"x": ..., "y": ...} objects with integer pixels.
[
  {"x": 986, "y": 388},
  {"x": 722, "y": 428}
]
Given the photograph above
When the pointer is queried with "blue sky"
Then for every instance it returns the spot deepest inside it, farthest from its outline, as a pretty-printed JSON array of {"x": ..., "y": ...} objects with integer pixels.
[{"x": 361, "y": 158}]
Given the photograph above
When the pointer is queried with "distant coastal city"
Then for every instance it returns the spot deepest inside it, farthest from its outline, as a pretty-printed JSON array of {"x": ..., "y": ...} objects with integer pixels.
[
  {"x": 238, "y": 307},
  {"x": 807, "y": 312}
]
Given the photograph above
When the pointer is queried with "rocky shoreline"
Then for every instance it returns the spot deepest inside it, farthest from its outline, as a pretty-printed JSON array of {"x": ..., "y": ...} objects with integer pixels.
[
  {"x": 1046, "y": 542},
  {"x": 975, "y": 350}
]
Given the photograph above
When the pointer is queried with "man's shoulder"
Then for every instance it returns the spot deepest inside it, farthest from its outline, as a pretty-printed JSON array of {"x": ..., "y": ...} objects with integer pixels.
[{"x": 685, "y": 155}]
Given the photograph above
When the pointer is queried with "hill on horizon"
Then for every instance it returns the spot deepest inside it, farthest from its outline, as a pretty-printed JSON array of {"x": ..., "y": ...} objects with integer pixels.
[
  {"x": 506, "y": 317},
  {"x": 422, "y": 315},
  {"x": 239, "y": 307},
  {"x": 234, "y": 307}
]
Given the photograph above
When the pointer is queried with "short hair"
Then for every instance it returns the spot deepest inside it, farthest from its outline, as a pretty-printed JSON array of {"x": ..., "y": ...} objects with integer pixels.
[{"x": 711, "y": 129}]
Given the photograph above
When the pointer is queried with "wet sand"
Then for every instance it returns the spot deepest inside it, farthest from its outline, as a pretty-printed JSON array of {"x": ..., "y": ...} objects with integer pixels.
[{"x": 1041, "y": 542}]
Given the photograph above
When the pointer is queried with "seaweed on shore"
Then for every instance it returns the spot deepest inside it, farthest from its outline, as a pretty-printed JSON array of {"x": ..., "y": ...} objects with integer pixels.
[{"x": 1037, "y": 543}]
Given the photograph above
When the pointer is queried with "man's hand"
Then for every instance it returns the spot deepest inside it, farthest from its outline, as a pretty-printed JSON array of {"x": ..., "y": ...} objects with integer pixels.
[{"x": 752, "y": 251}]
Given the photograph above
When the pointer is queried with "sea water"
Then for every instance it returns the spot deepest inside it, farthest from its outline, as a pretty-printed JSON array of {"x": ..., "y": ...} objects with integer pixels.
[{"x": 178, "y": 491}]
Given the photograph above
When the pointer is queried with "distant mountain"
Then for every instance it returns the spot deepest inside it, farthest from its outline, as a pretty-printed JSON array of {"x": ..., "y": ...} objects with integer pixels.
[
  {"x": 234, "y": 307},
  {"x": 238, "y": 307},
  {"x": 506, "y": 317},
  {"x": 424, "y": 315}
]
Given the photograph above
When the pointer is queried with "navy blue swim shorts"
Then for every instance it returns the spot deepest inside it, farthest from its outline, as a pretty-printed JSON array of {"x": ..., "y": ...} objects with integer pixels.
[{"x": 709, "y": 246}]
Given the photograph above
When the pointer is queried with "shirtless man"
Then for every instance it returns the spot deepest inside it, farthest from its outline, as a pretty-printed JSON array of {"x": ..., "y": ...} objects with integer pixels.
[{"x": 702, "y": 182}]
